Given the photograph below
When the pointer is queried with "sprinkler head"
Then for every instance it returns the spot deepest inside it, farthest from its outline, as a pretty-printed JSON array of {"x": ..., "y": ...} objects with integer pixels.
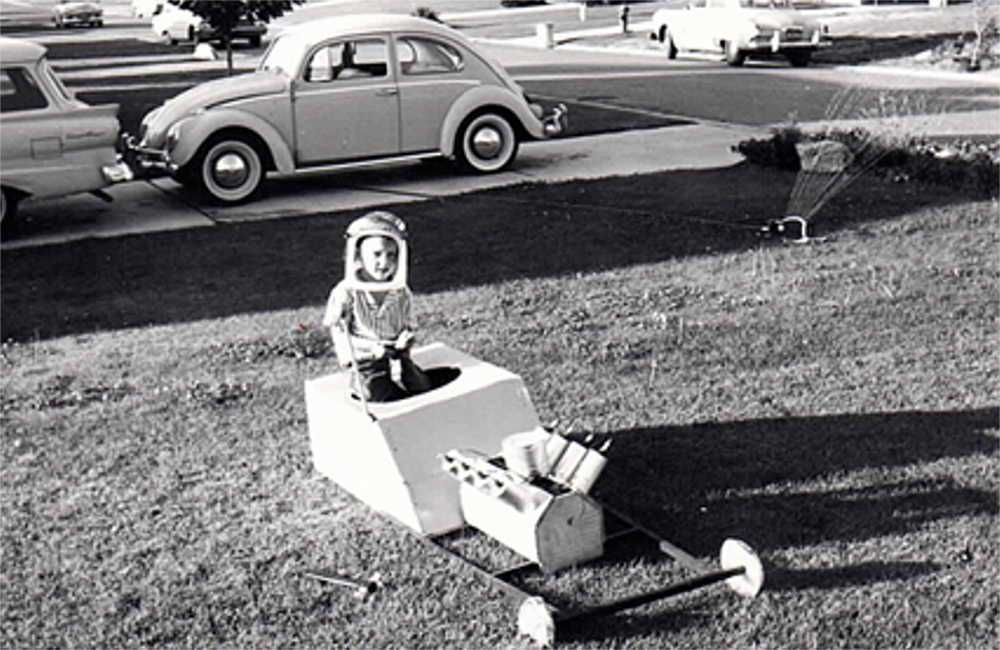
[{"x": 794, "y": 228}]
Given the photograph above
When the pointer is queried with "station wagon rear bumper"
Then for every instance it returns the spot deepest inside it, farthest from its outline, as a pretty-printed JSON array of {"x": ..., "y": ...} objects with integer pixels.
[
  {"x": 141, "y": 158},
  {"x": 119, "y": 172}
]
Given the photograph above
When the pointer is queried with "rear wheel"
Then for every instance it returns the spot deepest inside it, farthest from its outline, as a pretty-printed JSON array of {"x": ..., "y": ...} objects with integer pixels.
[
  {"x": 799, "y": 59},
  {"x": 734, "y": 55},
  {"x": 486, "y": 143},
  {"x": 228, "y": 169},
  {"x": 9, "y": 200}
]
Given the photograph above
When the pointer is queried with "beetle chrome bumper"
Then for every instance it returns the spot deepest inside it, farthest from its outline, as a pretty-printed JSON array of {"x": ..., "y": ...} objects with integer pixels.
[
  {"x": 142, "y": 158},
  {"x": 556, "y": 122}
]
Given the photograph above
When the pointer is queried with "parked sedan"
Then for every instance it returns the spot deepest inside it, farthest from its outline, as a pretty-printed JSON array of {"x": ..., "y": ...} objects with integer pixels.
[
  {"x": 741, "y": 29},
  {"x": 51, "y": 144},
  {"x": 172, "y": 24},
  {"x": 339, "y": 93},
  {"x": 74, "y": 12}
]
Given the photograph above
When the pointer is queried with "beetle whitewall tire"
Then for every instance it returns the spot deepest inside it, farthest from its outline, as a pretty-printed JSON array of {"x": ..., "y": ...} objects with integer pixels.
[
  {"x": 487, "y": 143},
  {"x": 230, "y": 170}
]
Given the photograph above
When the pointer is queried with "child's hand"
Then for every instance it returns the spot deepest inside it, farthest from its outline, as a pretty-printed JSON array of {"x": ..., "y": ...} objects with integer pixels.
[{"x": 405, "y": 340}]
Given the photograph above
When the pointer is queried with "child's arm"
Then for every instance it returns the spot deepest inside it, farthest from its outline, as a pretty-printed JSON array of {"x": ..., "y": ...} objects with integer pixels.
[
  {"x": 338, "y": 310},
  {"x": 406, "y": 336}
]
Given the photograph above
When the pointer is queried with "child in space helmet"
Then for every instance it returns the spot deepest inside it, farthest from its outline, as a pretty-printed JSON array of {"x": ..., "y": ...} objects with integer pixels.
[{"x": 368, "y": 312}]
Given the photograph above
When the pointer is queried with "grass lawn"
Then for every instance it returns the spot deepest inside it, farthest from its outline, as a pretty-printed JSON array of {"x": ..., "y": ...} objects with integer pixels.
[{"x": 834, "y": 404}]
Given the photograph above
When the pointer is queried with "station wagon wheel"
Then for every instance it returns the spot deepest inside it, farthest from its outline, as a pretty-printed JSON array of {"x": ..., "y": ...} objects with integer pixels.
[
  {"x": 8, "y": 205},
  {"x": 668, "y": 40},
  {"x": 486, "y": 143},
  {"x": 734, "y": 55},
  {"x": 229, "y": 169}
]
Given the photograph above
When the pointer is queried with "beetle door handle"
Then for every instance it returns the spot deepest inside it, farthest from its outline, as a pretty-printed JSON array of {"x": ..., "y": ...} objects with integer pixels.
[{"x": 387, "y": 92}]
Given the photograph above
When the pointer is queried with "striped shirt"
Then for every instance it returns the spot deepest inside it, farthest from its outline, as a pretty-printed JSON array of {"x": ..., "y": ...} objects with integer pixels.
[{"x": 365, "y": 316}]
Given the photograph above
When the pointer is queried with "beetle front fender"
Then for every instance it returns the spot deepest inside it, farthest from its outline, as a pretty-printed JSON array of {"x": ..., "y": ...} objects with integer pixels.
[
  {"x": 485, "y": 97},
  {"x": 197, "y": 129}
]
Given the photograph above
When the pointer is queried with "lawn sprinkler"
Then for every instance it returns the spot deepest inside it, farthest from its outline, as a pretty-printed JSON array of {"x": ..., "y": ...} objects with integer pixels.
[
  {"x": 787, "y": 228},
  {"x": 471, "y": 457}
]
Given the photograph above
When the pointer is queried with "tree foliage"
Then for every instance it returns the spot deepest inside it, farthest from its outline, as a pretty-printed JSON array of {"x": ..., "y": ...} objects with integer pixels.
[{"x": 223, "y": 15}]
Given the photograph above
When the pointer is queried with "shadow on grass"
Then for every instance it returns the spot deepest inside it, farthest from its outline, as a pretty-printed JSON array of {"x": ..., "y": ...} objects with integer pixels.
[
  {"x": 698, "y": 484},
  {"x": 867, "y": 49},
  {"x": 865, "y": 573},
  {"x": 488, "y": 237}
]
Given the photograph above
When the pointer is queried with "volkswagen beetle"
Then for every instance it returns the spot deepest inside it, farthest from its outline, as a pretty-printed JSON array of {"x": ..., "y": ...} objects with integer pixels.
[{"x": 338, "y": 93}]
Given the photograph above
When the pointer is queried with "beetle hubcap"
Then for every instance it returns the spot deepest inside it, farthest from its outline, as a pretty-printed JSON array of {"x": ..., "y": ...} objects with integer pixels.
[
  {"x": 230, "y": 170},
  {"x": 487, "y": 143}
]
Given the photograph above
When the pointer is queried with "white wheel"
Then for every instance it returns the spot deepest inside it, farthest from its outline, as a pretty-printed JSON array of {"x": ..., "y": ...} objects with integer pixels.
[
  {"x": 736, "y": 554},
  {"x": 230, "y": 170},
  {"x": 486, "y": 143},
  {"x": 534, "y": 619}
]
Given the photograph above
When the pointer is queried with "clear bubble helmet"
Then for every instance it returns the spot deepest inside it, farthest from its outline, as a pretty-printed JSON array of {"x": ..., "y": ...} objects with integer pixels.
[{"x": 380, "y": 224}]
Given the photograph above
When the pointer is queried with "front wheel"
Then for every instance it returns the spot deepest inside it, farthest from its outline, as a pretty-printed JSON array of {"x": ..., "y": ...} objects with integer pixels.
[
  {"x": 486, "y": 143},
  {"x": 799, "y": 59},
  {"x": 734, "y": 55},
  {"x": 228, "y": 170},
  {"x": 668, "y": 40},
  {"x": 8, "y": 206}
]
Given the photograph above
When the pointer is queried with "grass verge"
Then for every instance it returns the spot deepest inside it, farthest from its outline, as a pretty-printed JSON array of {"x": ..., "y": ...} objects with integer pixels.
[{"x": 833, "y": 404}]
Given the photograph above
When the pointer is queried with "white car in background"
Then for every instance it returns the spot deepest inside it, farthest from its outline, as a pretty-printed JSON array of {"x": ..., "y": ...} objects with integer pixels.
[
  {"x": 146, "y": 8},
  {"x": 75, "y": 12},
  {"x": 740, "y": 29},
  {"x": 172, "y": 25}
]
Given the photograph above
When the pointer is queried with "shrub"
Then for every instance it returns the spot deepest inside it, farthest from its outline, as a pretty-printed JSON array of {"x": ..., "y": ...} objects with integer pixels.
[
  {"x": 963, "y": 164},
  {"x": 428, "y": 13}
]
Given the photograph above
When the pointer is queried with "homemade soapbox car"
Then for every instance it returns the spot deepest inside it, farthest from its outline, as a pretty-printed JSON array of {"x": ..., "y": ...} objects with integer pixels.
[{"x": 471, "y": 453}]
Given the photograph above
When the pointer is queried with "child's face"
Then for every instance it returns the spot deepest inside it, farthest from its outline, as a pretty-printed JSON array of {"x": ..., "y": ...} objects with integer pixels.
[{"x": 379, "y": 257}]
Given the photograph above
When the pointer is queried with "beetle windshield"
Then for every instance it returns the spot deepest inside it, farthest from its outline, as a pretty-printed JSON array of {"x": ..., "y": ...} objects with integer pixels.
[{"x": 284, "y": 55}]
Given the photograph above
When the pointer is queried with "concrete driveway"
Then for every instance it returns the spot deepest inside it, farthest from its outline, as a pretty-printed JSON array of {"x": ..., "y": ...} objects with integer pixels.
[{"x": 162, "y": 204}]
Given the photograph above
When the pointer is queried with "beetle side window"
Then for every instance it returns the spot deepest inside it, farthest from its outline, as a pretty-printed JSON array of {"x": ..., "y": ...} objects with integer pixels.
[
  {"x": 348, "y": 60},
  {"x": 19, "y": 91},
  {"x": 425, "y": 56}
]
